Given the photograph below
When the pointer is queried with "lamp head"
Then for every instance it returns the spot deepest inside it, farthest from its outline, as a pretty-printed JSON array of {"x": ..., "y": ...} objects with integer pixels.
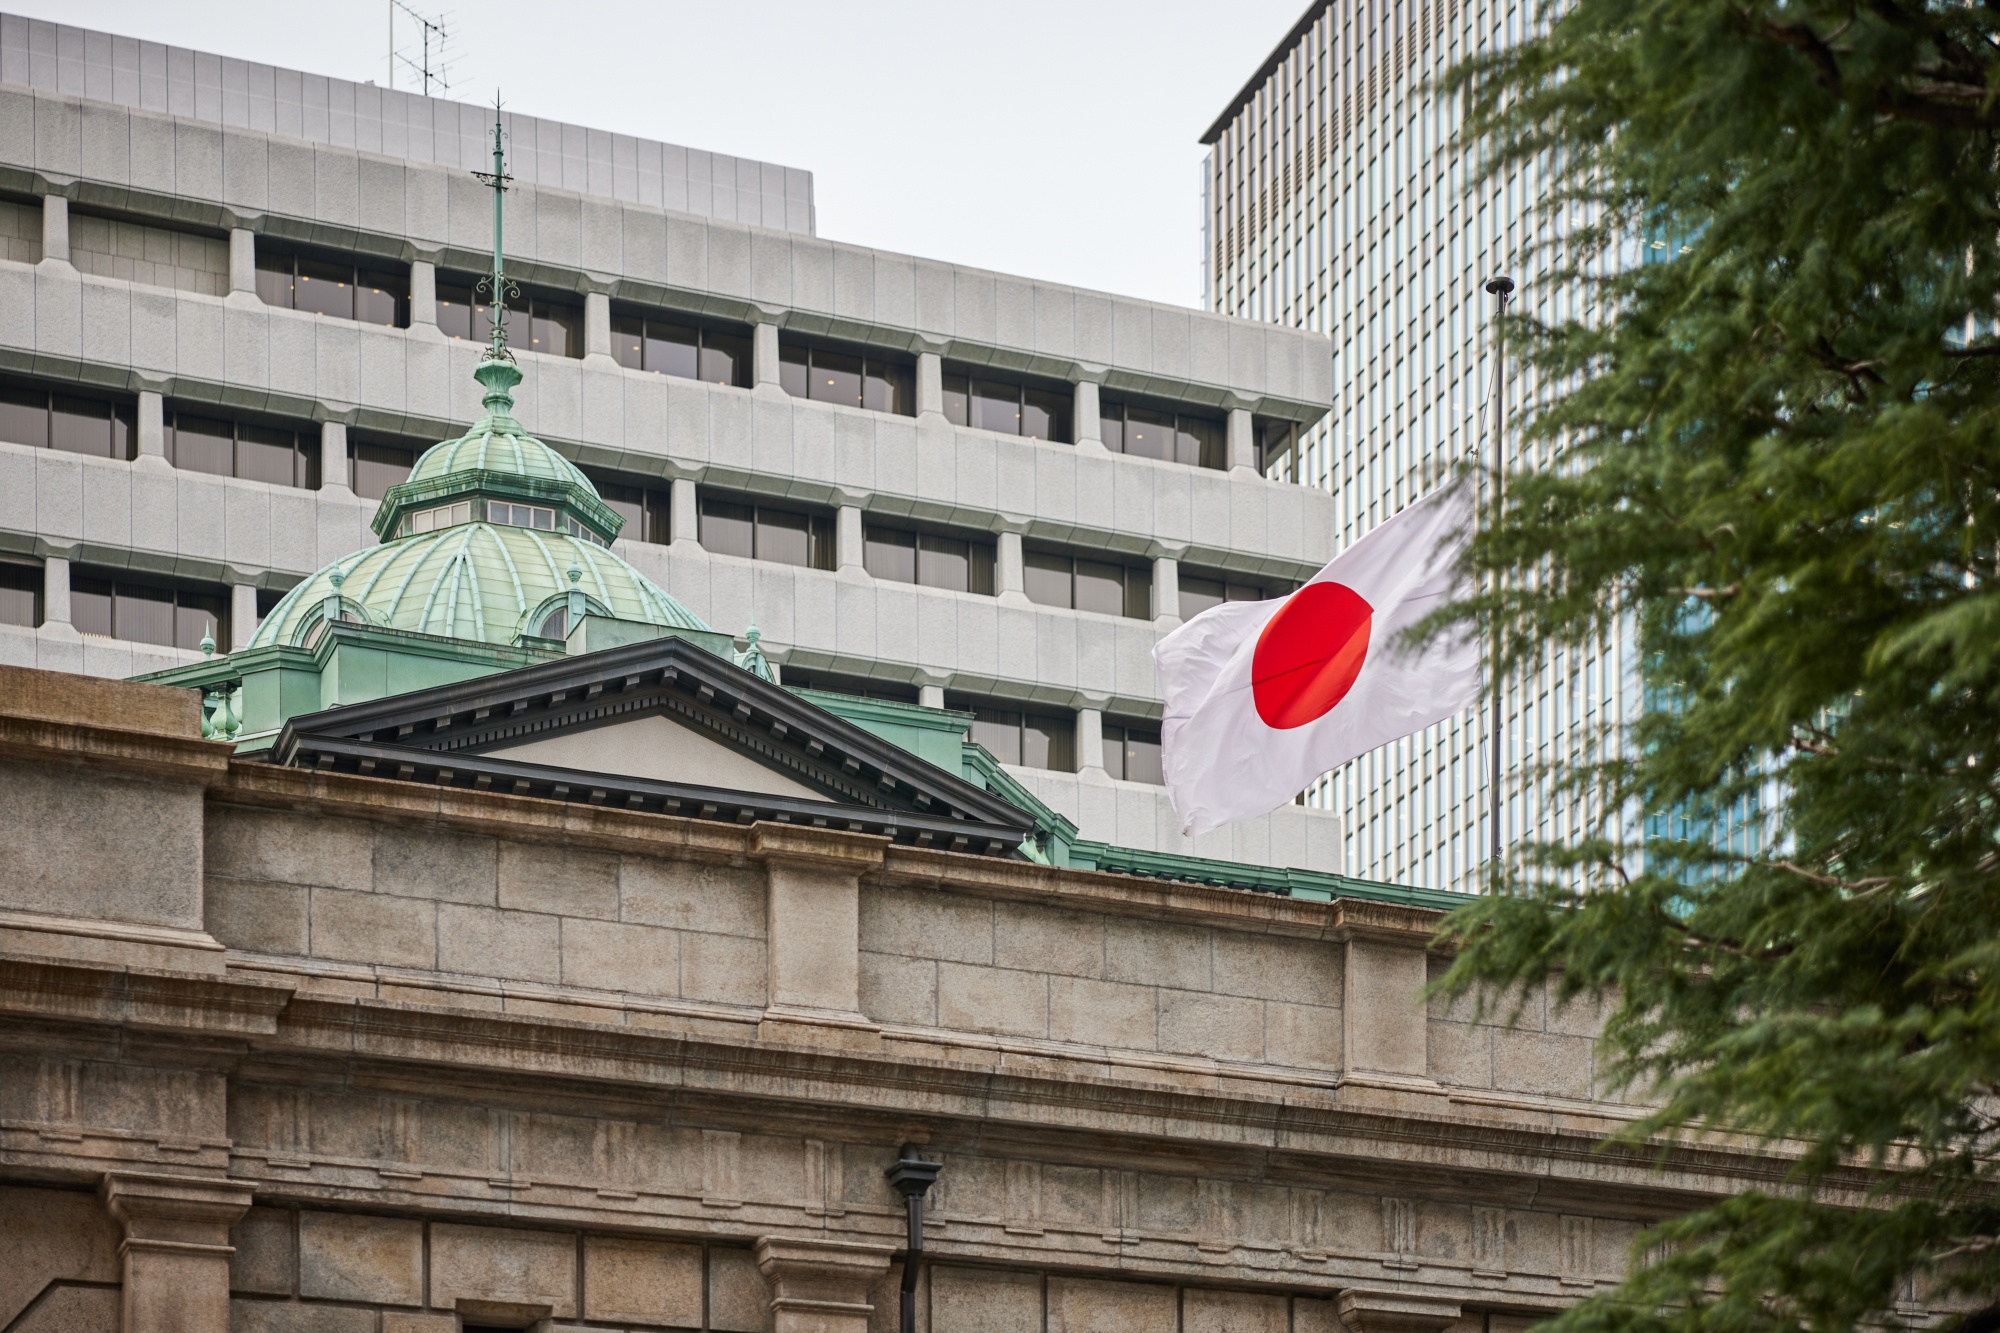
[{"x": 1502, "y": 286}]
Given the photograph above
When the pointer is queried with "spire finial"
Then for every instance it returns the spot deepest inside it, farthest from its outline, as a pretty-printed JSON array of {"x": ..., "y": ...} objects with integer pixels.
[
  {"x": 208, "y": 641},
  {"x": 495, "y": 284}
]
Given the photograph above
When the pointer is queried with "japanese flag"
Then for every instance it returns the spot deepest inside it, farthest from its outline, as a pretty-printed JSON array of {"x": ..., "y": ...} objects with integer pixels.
[{"x": 1263, "y": 697}]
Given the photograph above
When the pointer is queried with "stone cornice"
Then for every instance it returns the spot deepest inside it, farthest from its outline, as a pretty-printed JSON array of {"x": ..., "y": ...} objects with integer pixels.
[{"x": 1326, "y": 1132}]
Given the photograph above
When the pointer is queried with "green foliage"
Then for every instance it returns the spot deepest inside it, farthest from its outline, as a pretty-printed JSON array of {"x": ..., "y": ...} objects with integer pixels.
[{"x": 1791, "y": 421}]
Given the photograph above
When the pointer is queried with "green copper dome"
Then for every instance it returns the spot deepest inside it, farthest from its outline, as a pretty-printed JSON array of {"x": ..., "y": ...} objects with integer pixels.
[{"x": 493, "y": 537}]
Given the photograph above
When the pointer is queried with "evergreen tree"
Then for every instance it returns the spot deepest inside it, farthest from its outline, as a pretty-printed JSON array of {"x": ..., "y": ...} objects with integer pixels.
[{"x": 1774, "y": 476}]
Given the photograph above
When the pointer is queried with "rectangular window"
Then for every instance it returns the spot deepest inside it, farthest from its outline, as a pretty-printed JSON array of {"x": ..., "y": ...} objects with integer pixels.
[
  {"x": 935, "y": 560},
  {"x": 1163, "y": 432},
  {"x": 1011, "y": 407},
  {"x": 538, "y": 320},
  {"x": 764, "y": 532},
  {"x": 1132, "y": 751},
  {"x": 663, "y": 346},
  {"x": 1052, "y": 578},
  {"x": 863, "y": 687},
  {"x": 443, "y": 516},
  {"x": 144, "y": 611},
  {"x": 1021, "y": 736},
  {"x": 1201, "y": 591},
  {"x": 249, "y": 450},
  {"x": 374, "y": 467},
  {"x": 1277, "y": 448},
  {"x": 99, "y": 426},
  {"x": 873, "y": 380},
  {"x": 20, "y": 594},
  {"x": 645, "y": 509},
  {"x": 368, "y": 291}
]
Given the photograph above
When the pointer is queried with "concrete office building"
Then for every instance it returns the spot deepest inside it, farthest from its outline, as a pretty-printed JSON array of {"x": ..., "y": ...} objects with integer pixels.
[
  {"x": 1335, "y": 203},
  {"x": 236, "y": 302}
]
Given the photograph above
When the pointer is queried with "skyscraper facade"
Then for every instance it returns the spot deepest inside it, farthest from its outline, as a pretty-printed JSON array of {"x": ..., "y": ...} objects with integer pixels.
[{"x": 1336, "y": 200}]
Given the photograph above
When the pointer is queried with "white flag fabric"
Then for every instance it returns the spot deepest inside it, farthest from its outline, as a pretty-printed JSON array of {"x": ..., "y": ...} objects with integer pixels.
[{"x": 1263, "y": 697}]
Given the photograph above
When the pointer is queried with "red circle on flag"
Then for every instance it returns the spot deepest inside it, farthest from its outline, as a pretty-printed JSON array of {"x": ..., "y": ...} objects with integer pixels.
[{"x": 1309, "y": 654}]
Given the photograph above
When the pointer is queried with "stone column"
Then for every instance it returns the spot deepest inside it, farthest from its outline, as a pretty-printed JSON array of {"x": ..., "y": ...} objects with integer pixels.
[
  {"x": 1242, "y": 442},
  {"x": 1395, "y": 1312},
  {"x": 764, "y": 354},
  {"x": 1087, "y": 416},
  {"x": 683, "y": 512},
  {"x": 243, "y": 260},
  {"x": 336, "y": 473},
  {"x": 1009, "y": 576},
  {"x": 423, "y": 294},
  {"x": 848, "y": 543},
  {"x": 176, "y": 1250},
  {"x": 596, "y": 324},
  {"x": 1166, "y": 591},
  {"x": 152, "y": 430},
  {"x": 931, "y": 696},
  {"x": 1090, "y": 741},
  {"x": 55, "y": 593},
  {"x": 930, "y": 383},
  {"x": 55, "y": 227},
  {"x": 821, "y": 1286},
  {"x": 813, "y": 925},
  {"x": 242, "y": 616},
  {"x": 1386, "y": 1021}
]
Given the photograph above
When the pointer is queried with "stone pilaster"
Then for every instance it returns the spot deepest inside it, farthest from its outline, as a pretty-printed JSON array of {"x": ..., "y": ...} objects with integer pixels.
[
  {"x": 423, "y": 295},
  {"x": 1242, "y": 442},
  {"x": 1086, "y": 416},
  {"x": 930, "y": 383},
  {"x": 55, "y": 228},
  {"x": 813, "y": 924},
  {"x": 242, "y": 261},
  {"x": 683, "y": 512},
  {"x": 848, "y": 540},
  {"x": 764, "y": 354},
  {"x": 175, "y": 1255},
  {"x": 1009, "y": 576},
  {"x": 821, "y": 1286},
  {"x": 1166, "y": 591}
]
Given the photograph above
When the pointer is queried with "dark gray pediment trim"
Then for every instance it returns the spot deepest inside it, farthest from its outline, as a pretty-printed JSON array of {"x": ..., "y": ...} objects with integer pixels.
[{"x": 696, "y": 688}]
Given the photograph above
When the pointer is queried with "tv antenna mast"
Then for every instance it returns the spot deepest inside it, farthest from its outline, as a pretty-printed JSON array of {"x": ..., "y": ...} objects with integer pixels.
[{"x": 432, "y": 62}]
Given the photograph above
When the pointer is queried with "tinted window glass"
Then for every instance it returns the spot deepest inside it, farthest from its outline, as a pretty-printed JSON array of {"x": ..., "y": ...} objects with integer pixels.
[
  {"x": 628, "y": 341},
  {"x": 274, "y": 279},
  {"x": 325, "y": 289},
  {"x": 888, "y": 388},
  {"x": 1201, "y": 442},
  {"x": 946, "y": 563},
  {"x": 377, "y": 467},
  {"x": 1048, "y": 742},
  {"x": 996, "y": 407},
  {"x": 20, "y": 594},
  {"x": 196, "y": 616},
  {"x": 1148, "y": 433},
  {"x": 90, "y": 605},
  {"x": 888, "y": 554},
  {"x": 957, "y": 394},
  {"x": 81, "y": 426},
  {"x": 144, "y": 615},
  {"x": 1111, "y": 428},
  {"x": 794, "y": 371},
  {"x": 264, "y": 454},
  {"x": 725, "y": 358},
  {"x": 672, "y": 350},
  {"x": 24, "y": 417},
  {"x": 1100, "y": 587},
  {"x": 1197, "y": 595},
  {"x": 454, "y": 311},
  {"x": 379, "y": 298},
  {"x": 557, "y": 330},
  {"x": 728, "y": 529},
  {"x": 1045, "y": 415},
  {"x": 836, "y": 378},
  {"x": 784, "y": 537},
  {"x": 1046, "y": 578},
  {"x": 195, "y": 444},
  {"x": 1000, "y": 732}
]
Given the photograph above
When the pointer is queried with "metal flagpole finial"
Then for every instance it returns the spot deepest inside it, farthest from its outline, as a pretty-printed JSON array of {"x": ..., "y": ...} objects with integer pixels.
[{"x": 496, "y": 285}]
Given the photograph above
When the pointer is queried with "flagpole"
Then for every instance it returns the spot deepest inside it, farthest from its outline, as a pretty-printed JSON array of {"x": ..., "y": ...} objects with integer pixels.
[{"x": 1499, "y": 288}]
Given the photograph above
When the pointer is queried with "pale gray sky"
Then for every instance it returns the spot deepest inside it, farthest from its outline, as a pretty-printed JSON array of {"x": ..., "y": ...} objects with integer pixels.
[{"x": 1051, "y": 138}]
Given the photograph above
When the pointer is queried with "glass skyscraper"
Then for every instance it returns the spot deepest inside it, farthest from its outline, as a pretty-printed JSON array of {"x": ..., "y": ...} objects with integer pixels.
[{"x": 1334, "y": 200}]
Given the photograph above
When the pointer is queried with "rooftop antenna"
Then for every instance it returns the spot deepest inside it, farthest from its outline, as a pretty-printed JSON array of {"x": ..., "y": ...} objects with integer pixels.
[
  {"x": 496, "y": 285},
  {"x": 432, "y": 64}
]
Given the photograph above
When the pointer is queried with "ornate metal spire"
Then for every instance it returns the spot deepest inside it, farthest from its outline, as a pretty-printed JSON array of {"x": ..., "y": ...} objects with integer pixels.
[{"x": 498, "y": 289}]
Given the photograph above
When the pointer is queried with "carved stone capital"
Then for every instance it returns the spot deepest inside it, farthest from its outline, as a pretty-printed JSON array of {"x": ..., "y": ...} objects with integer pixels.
[
  {"x": 821, "y": 1285},
  {"x": 1395, "y": 1312}
]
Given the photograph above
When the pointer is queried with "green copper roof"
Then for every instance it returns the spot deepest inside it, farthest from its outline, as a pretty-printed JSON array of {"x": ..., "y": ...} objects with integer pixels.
[
  {"x": 484, "y": 581},
  {"x": 502, "y": 533},
  {"x": 496, "y": 461}
]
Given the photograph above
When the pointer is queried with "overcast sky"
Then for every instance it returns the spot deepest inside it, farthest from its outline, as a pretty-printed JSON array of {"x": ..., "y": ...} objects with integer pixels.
[{"x": 1056, "y": 139}]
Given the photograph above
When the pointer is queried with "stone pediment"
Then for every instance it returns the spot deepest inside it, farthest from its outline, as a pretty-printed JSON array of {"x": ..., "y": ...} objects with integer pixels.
[{"x": 664, "y": 726}]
